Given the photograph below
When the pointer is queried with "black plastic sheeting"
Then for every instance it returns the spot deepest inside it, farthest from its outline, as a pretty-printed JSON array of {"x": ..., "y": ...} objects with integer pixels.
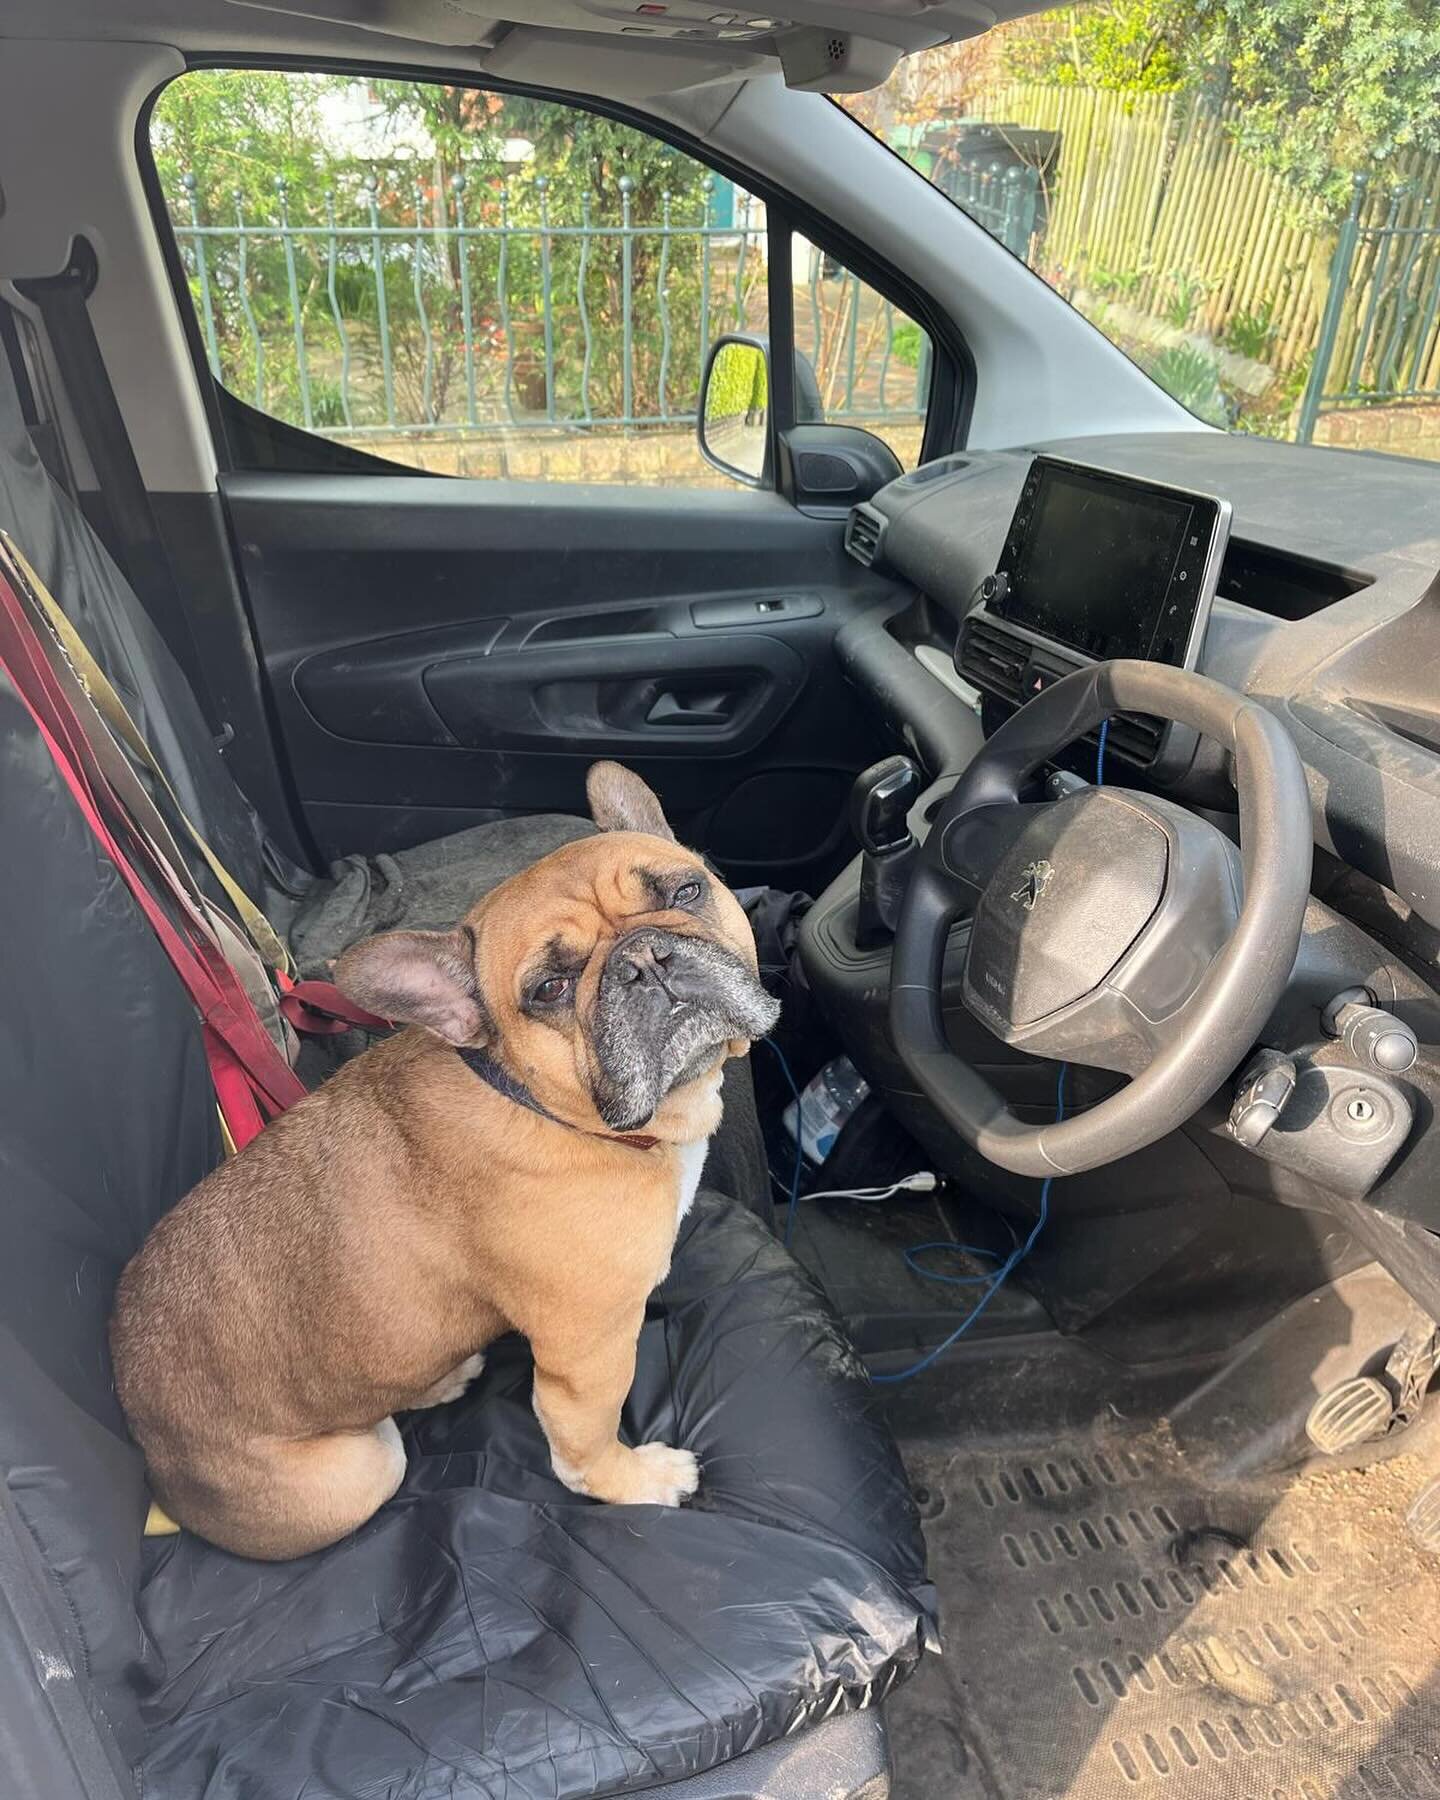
[
  {"x": 107, "y": 1117},
  {"x": 490, "y": 1633},
  {"x": 79, "y": 572}
]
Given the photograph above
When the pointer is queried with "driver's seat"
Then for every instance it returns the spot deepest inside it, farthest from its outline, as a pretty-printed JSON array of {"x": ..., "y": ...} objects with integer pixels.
[{"x": 488, "y": 1633}]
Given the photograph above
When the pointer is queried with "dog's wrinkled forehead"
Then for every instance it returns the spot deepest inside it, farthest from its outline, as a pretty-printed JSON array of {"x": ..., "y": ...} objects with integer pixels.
[
  {"x": 520, "y": 957},
  {"x": 568, "y": 910},
  {"x": 554, "y": 917}
]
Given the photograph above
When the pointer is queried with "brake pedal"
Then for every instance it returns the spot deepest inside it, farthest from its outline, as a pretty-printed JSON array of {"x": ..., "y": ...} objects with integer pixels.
[
  {"x": 1352, "y": 1413},
  {"x": 1422, "y": 1521}
]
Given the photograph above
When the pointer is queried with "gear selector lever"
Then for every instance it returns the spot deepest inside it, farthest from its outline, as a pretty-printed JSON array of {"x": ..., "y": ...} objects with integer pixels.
[{"x": 880, "y": 803}]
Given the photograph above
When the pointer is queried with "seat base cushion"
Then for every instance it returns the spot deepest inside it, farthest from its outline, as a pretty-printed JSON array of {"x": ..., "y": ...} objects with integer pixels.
[
  {"x": 489, "y": 1633},
  {"x": 428, "y": 888}
]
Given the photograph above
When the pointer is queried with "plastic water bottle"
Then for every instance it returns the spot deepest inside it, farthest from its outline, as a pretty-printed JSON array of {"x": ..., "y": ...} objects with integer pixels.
[{"x": 824, "y": 1106}]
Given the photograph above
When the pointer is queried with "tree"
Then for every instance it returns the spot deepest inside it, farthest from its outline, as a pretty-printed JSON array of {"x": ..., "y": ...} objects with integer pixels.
[
  {"x": 423, "y": 156},
  {"x": 1318, "y": 92},
  {"x": 1324, "y": 91},
  {"x": 1132, "y": 45},
  {"x": 234, "y": 132},
  {"x": 587, "y": 162}
]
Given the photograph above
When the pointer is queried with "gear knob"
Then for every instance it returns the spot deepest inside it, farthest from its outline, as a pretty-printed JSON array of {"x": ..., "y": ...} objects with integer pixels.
[{"x": 880, "y": 803}]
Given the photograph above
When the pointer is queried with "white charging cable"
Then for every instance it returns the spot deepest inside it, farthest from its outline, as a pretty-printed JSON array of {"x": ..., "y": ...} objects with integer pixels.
[{"x": 925, "y": 1181}]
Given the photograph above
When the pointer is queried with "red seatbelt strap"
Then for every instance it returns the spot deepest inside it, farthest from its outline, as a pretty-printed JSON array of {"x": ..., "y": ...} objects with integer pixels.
[
  {"x": 253, "y": 1082},
  {"x": 319, "y": 1008}
]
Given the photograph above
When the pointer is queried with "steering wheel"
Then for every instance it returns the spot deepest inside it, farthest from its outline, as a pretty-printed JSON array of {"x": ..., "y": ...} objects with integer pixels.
[{"x": 1110, "y": 928}]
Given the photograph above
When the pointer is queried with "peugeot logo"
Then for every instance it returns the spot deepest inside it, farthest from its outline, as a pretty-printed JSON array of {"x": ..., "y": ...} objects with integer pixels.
[{"x": 1035, "y": 877}]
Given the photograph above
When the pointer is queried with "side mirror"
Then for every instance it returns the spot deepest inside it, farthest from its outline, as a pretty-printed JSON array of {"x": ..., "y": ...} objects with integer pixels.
[
  {"x": 734, "y": 420},
  {"x": 823, "y": 468}
]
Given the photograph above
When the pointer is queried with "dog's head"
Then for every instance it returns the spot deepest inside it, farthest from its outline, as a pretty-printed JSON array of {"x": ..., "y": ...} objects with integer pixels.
[{"x": 606, "y": 977}]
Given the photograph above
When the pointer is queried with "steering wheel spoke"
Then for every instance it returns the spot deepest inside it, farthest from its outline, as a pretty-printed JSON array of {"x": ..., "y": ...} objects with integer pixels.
[
  {"x": 972, "y": 847},
  {"x": 1110, "y": 928}
]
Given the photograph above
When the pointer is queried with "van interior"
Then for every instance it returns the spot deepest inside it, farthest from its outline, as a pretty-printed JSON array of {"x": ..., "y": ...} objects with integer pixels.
[{"x": 1063, "y": 1405}]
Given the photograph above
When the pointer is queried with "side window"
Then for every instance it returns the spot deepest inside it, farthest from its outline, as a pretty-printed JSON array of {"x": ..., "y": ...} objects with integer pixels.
[
  {"x": 859, "y": 360},
  {"x": 462, "y": 282}
]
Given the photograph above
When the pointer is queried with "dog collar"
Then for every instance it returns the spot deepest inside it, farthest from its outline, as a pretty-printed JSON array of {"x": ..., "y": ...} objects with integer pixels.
[{"x": 499, "y": 1077}]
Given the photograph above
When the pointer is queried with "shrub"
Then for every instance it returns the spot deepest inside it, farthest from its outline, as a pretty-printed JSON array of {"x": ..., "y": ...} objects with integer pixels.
[
  {"x": 1251, "y": 334},
  {"x": 1192, "y": 377}
]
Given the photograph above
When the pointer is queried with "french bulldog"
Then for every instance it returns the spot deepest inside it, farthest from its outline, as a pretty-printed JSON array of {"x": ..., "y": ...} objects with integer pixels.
[{"x": 518, "y": 1158}]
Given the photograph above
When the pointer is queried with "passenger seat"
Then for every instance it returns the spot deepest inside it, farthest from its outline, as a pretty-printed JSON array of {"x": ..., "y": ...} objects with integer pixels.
[{"x": 488, "y": 1632}]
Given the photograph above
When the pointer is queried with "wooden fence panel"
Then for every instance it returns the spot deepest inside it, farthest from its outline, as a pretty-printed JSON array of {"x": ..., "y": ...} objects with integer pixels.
[{"x": 1151, "y": 196}]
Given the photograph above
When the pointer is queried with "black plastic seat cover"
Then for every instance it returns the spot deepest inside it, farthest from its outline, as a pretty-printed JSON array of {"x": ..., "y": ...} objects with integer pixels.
[{"x": 491, "y": 1634}]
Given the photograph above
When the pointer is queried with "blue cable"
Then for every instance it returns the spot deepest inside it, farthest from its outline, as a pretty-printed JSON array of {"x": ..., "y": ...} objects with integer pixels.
[
  {"x": 799, "y": 1146},
  {"x": 1002, "y": 1274},
  {"x": 918, "y": 1250},
  {"x": 1021, "y": 1251}
]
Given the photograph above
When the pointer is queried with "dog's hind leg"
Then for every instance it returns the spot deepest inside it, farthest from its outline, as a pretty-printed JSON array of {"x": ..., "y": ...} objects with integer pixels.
[
  {"x": 452, "y": 1386},
  {"x": 294, "y": 1496}
]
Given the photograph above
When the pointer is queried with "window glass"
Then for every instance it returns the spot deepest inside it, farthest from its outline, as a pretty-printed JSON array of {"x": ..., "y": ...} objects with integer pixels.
[
  {"x": 859, "y": 360},
  {"x": 462, "y": 282},
  {"x": 1244, "y": 198}
]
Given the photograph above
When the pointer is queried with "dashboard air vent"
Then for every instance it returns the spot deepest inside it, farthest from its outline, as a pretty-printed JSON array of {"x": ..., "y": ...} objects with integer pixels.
[
  {"x": 1134, "y": 737},
  {"x": 863, "y": 531},
  {"x": 990, "y": 658},
  {"x": 998, "y": 663}
]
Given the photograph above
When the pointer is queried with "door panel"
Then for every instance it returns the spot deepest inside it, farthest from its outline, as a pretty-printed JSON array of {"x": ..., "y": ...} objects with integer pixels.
[
  {"x": 498, "y": 686},
  {"x": 441, "y": 653}
]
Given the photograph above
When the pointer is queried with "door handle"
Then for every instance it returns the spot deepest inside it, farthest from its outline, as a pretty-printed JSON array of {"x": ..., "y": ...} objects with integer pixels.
[
  {"x": 710, "y": 708},
  {"x": 604, "y": 697}
]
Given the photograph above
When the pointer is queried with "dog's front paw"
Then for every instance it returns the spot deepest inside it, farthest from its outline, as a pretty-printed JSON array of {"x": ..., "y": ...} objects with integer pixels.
[{"x": 663, "y": 1476}]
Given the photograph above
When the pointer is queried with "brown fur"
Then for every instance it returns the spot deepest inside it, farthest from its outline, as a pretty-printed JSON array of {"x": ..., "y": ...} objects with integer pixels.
[{"x": 353, "y": 1261}]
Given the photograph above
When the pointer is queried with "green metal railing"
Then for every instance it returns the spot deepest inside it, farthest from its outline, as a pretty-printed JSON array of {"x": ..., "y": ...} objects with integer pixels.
[
  {"x": 1005, "y": 200},
  {"x": 505, "y": 303},
  {"x": 1379, "y": 340}
]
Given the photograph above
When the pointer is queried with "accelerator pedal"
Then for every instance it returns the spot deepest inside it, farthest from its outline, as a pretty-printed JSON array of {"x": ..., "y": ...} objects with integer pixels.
[{"x": 1352, "y": 1413}]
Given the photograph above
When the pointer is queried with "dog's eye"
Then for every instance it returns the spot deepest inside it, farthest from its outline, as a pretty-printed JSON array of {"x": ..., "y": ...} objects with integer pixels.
[
  {"x": 551, "y": 990},
  {"x": 687, "y": 893}
]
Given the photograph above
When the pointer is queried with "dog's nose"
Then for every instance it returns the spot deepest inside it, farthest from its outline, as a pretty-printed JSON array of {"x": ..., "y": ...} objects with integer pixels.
[
  {"x": 646, "y": 961},
  {"x": 653, "y": 964}
]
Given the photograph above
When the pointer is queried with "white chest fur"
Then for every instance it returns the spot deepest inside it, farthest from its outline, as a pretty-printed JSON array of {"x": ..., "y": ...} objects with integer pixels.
[
  {"x": 691, "y": 1157},
  {"x": 692, "y": 1162}
]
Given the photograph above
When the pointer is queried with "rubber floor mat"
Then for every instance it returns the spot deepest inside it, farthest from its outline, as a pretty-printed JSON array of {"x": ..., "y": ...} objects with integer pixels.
[{"x": 1114, "y": 1627}]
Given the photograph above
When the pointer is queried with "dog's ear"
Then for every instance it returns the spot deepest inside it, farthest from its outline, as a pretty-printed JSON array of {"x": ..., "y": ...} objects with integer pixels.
[
  {"x": 419, "y": 978},
  {"x": 620, "y": 801}
]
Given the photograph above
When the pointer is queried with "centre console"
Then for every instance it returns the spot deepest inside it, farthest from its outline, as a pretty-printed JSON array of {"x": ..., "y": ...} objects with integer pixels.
[{"x": 1095, "y": 565}]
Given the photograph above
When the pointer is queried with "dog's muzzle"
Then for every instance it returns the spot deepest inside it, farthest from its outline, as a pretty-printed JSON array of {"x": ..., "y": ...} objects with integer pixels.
[{"x": 667, "y": 1003}]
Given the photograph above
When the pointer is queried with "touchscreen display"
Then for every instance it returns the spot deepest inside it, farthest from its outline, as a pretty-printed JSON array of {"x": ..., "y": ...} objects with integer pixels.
[{"x": 1109, "y": 566}]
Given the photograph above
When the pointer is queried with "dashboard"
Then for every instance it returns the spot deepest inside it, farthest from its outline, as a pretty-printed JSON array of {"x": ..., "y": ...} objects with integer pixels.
[{"x": 1326, "y": 608}]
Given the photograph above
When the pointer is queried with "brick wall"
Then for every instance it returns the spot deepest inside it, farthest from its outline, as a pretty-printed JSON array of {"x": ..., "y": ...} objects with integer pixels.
[
  {"x": 1412, "y": 430},
  {"x": 636, "y": 458}
]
